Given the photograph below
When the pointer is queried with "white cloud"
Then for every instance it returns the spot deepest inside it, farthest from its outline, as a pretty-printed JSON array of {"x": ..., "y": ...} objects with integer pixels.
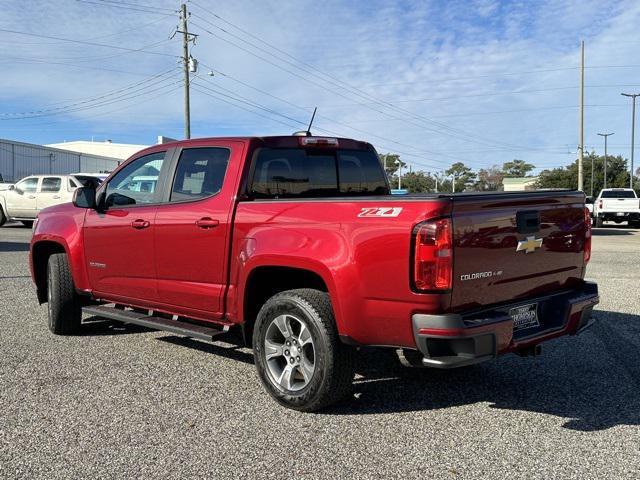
[{"x": 450, "y": 57}]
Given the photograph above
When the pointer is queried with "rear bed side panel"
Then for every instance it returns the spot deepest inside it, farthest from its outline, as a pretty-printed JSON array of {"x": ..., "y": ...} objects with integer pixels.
[
  {"x": 362, "y": 257},
  {"x": 489, "y": 269}
]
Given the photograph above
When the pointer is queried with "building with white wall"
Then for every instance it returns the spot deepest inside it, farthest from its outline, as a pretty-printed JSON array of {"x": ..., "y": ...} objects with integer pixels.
[
  {"x": 19, "y": 159},
  {"x": 107, "y": 148}
]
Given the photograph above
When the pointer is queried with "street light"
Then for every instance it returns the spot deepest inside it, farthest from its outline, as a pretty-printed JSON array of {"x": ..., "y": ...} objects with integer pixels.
[
  {"x": 633, "y": 130},
  {"x": 605, "y": 135}
]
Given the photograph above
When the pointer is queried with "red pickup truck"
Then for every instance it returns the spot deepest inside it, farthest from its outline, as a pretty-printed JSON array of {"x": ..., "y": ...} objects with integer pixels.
[{"x": 298, "y": 242}]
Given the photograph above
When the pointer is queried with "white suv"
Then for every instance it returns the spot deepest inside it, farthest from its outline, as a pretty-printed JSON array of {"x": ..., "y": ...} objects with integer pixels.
[{"x": 26, "y": 198}]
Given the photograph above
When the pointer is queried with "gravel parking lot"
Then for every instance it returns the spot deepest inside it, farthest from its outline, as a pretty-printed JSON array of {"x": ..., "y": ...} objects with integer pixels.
[{"x": 118, "y": 402}]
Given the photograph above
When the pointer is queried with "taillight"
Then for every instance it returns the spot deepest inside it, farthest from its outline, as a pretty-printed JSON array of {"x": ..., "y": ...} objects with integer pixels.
[
  {"x": 600, "y": 204},
  {"x": 587, "y": 235},
  {"x": 433, "y": 255}
]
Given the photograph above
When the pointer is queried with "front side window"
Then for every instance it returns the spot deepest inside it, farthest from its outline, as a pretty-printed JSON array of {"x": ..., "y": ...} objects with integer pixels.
[
  {"x": 51, "y": 184},
  {"x": 136, "y": 183},
  {"x": 200, "y": 173},
  {"x": 28, "y": 185}
]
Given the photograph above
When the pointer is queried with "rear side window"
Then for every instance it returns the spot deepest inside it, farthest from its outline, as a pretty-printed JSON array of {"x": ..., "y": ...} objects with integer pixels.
[
  {"x": 300, "y": 173},
  {"x": 51, "y": 184},
  {"x": 200, "y": 173},
  {"x": 618, "y": 194}
]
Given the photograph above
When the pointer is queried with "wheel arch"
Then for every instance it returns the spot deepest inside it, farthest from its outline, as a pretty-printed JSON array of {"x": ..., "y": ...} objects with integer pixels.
[
  {"x": 264, "y": 281},
  {"x": 40, "y": 253}
]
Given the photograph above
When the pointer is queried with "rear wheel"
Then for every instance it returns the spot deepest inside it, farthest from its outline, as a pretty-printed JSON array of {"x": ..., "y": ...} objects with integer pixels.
[
  {"x": 599, "y": 222},
  {"x": 3, "y": 217},
  {"x": 27, "y": 223},
  {"x": 64, "y": 307},
  {"x": 299, "y": 357}
]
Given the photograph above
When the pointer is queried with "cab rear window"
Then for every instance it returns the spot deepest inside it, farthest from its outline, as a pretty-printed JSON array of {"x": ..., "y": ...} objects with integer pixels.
[
  {"x": 618, "y": 194},
  {"x": 302, "y": 173}
]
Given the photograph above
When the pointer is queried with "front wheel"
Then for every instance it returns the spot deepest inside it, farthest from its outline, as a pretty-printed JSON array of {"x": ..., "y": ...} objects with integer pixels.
[
  {"x": 298, "y": 354},
  {"x": 64, "y": 306}
]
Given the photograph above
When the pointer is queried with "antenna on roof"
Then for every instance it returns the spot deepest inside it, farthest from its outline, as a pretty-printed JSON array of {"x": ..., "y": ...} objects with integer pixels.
[{"x": 311, "y": 122}]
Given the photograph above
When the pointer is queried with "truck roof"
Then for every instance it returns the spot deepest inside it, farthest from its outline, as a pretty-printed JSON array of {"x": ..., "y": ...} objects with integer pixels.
[{"x": 276, "y": 141}]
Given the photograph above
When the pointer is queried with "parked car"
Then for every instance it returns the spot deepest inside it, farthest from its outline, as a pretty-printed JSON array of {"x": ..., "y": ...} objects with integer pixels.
[
  {"x": 25, "y": 199},
  {"x": 298, "y": 242},
  {"x": 617, "y": 205},
  {"x": 589, "y": 204}
]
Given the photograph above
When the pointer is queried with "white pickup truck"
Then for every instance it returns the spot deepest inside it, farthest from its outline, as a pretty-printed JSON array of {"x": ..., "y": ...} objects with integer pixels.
[
  {"x": 22, "y": 201},
  {"x": 617, "y": 205}
]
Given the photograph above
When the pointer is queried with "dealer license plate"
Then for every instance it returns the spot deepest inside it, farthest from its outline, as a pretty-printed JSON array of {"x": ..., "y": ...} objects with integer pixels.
[{"x": 524, "y": 317}]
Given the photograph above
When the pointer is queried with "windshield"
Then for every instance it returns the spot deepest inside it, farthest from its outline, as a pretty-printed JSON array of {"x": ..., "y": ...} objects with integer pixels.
[
  {"x": 618, "y": 194},
  {"x": 308, "y": 173}
]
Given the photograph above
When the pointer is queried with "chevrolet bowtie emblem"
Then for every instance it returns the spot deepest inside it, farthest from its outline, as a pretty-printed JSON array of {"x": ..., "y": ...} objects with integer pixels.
[{"x": 529, "y": 245}]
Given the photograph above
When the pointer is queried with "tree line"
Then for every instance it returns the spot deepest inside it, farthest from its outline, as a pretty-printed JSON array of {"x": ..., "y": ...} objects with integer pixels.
[{"x": 491, "y": 178}]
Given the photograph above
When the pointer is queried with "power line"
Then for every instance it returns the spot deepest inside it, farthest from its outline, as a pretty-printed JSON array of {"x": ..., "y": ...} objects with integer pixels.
[
  {"x": 136, "y": 103},
  {"x": 87, "y": 99},
  {"x": 125, "y": 7},
  {"x": 151, "y": 7},
  {"x": 450, "y": 131},
  {"x": 82, "y": 42},
  {"x": 133, "y": 94},
  {"x": 320, "y": 117}
]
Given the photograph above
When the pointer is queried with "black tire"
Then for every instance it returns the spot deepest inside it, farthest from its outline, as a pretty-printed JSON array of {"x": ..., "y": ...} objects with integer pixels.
[
  {"x": 27, "y": 223},
  {"x": 64, "y": 306},
  {"x": 333, "y": 374},
  {"x": 599, "y": 222},
  {"x": 3, "y": 217}
]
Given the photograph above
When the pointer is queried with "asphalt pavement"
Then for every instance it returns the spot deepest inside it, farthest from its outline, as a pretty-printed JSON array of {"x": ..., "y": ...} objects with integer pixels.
[{"x": 126, "y": 402}]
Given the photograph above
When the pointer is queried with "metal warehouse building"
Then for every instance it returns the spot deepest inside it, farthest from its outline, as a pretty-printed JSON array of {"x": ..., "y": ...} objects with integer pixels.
[{"x": 18, "y": 160}]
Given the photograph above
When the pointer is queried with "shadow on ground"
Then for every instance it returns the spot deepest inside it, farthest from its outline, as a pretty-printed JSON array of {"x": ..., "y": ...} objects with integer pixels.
[
  {"x": 593, "y": 380},
  {"x": 596, "y": 386},
  {"x": 608, "y": 231},
  {"x": 14, "y": 246}
]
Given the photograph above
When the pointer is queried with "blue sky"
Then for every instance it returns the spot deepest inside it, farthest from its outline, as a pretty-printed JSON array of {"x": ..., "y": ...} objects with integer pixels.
[{"x": 481, "y": 82}]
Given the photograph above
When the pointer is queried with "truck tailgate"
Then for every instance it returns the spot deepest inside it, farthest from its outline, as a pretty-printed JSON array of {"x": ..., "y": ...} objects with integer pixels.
[
  {"x": 512, "y": 246},
  {"x": 619, "y": 205}
]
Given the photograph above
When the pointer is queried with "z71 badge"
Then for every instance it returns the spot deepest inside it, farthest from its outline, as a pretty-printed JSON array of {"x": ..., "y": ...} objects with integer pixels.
[{"x": 380, "y": 212}]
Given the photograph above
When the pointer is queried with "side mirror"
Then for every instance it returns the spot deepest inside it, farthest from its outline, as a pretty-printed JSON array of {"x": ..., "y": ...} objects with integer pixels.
[
  {"x": 12, "y": 187},
  {"x": 84, "y": 197}
]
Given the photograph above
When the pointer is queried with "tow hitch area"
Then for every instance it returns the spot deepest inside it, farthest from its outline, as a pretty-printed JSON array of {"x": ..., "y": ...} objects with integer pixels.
[{"x": 531, "y": 351}]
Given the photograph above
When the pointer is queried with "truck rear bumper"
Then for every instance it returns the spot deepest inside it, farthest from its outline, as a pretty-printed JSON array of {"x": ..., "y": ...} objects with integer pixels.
[{"x": 456, "y": 340}]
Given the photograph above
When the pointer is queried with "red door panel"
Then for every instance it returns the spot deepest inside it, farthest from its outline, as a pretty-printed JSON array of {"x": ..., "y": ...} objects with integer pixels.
[
  {"x": 119, "y": 252},
  {"x": 192, "y": 233}
]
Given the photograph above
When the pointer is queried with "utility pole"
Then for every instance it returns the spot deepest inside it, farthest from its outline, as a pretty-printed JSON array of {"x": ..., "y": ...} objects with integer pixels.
[
  {"x": 399, "y": 163},
  {"x": 605, "y": 135},
  {"x": 187, "y": 63},
  {"x": 453, "y": 183},
  {"x": 633, "y": 131},
  {"x": 581, "y": 147}
]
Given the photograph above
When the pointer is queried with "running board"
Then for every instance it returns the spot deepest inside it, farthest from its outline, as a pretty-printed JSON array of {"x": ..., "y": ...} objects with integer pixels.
[{"x": 191, "y": 330}]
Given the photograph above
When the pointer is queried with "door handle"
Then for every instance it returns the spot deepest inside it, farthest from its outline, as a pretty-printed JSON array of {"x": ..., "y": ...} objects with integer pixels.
[
  {"x": 140, "y": 224},
  {"x": 31, "y": 197},
  {"x": 56, "y": 197},
  {"x": 207, "y": 222}
]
